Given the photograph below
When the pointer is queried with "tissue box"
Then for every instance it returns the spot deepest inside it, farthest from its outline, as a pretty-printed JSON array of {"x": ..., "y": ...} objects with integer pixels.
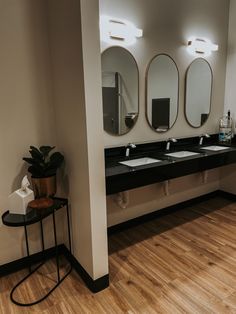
[{"x": 18, "y": 201}]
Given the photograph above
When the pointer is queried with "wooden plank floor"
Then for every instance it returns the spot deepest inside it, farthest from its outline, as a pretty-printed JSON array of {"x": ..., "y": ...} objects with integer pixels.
[{"x": 180, "y": 263}]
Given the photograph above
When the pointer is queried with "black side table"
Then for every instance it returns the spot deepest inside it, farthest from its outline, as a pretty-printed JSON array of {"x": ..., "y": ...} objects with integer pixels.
[{"x": 32, "y": 217}]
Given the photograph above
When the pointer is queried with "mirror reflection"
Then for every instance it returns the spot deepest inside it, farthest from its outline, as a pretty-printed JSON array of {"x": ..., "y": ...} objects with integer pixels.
[
  {"x": 162, "y": 87},
  {"x": 119, "y": 90},
  {"x": 198, "y": 92}
]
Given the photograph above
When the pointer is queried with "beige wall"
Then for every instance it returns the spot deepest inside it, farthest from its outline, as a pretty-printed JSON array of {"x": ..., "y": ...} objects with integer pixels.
[
  {"x": 167, "y": 25},
  {"x": 230, "y": 91},
  {"x": 29, "y": 89},
  {"x": 26, "y": 111},
  {"x": 46, "y": 81},
  {"x": 95, "y": 140},
  {"x": 228, "y": 173},
  {"x": 152, "y": 197},
  {"x": 228, "y": 179},
  {"x": 77, "y": 95}
]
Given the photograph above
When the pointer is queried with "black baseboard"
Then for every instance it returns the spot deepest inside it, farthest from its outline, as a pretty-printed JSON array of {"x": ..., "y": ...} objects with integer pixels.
[
  {"x": 227, "y": 195},
  {"x": 168, "y": 210},
  {"x": 103, "y": 282},
  {"x": 22, "y": 263},
  {"x": 93, "y": 285},
  {"x": 25, "y": 262}
]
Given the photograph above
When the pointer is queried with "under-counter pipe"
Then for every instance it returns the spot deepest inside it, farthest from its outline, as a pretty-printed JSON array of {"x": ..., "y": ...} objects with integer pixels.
[
  {"x": 205, "y": 176},
  {"x": 122, "y": 199},
  {"x": 166, "y": 187}
]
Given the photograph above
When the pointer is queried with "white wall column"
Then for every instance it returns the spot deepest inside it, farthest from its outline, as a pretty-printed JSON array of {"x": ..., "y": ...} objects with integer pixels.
[{"x": 75, "y": 47}]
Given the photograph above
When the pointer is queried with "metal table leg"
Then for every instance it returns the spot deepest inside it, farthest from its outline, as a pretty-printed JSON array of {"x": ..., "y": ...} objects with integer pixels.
[
  {"x": 55, "y": 237},
  {"x": 59, "y": 280},
  {"x": 68, "y": 226},
  {"x": 42, "y": 236},
  {"x": 27, "y": 244}
]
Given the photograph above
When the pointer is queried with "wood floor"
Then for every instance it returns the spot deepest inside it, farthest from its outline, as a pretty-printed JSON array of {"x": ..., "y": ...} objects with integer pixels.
[{"x": 181, "y": 263}]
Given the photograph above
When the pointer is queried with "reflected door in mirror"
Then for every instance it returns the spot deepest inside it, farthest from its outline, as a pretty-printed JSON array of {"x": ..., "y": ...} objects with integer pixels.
[
  {"x": 161, "y": 114},
  {"x": 120, "y": 90},
  {"x": 162, "y": 89},
  {"x": 110, "y": 95}
]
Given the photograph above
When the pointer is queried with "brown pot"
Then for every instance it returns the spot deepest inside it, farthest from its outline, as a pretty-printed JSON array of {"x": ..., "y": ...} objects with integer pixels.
[{"x": 44, "y": 187}]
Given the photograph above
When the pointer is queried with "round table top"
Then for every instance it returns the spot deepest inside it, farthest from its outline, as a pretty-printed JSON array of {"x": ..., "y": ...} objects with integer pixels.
[{"x": 33, "y": 215}]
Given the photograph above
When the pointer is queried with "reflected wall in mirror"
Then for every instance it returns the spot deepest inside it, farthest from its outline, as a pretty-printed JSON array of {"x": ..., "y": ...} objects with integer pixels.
[
  {"x": 120, "y": 92},
  {"x": 162, "y": 93},
  {"x": 198, "y": 92}
]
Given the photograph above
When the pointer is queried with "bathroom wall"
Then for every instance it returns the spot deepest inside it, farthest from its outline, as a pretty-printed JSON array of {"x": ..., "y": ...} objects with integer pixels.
[
  {"x": 49, "y": 65},
  {"x": 230, "y": 91},
  {"x": 228, "y": 173},
  {"x": 152, "y": 197},
  {"x": 29, "y": 92},
  {"x": 167, "y": 25},
  {"x": 228, "y": 179},
  {"x": 26, "y": 110},
  {"x": 76, "y": 67}
]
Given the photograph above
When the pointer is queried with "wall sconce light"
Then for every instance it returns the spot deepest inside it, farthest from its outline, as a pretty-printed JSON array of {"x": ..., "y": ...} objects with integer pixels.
[
  {"x": 117, "y": 31},
  {"x": 201, "y": 47}
]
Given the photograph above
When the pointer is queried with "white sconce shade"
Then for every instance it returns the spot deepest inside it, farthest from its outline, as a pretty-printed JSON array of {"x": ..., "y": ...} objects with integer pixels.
[
  {"x": 115, "y": 31},
  {"x": 201, "y": 46}
]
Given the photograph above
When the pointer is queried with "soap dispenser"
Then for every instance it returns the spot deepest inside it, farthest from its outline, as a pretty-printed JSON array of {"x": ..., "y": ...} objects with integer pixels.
[{"x": 226, "y": 129}]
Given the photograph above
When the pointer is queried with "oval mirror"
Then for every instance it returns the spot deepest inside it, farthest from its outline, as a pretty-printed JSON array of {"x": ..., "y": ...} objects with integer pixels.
[
  {"x": 120, "y": 92},
  {"x": 162, "y": 93},
  {"x": 198, "y": 92}
]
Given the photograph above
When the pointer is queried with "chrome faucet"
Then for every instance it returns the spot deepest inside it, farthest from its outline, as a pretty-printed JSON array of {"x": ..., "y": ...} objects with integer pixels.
[
  {"x": 173, "y": 140},
  {"x": 202, "y": 137},
  {"x": 128, "y": 147}
]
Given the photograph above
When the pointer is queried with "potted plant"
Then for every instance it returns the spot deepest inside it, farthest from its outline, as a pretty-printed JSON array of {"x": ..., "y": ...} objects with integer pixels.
[{"x": 43, "y": 167}]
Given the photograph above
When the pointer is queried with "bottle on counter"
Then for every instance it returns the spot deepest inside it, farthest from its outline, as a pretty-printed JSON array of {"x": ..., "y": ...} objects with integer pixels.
[{"x": 226, "y": 129}]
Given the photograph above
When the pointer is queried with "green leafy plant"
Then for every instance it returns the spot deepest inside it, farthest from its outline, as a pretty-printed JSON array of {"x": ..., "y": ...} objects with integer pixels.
[{"x": 42, "y": 162}]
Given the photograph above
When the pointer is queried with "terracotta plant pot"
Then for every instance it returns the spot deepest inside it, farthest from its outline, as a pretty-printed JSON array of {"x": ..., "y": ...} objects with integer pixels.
[{"x": 44, "y": 187}]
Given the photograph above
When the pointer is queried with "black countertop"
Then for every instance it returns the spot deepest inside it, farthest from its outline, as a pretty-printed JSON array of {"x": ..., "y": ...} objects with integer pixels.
[{"x": 121, "y": 177}]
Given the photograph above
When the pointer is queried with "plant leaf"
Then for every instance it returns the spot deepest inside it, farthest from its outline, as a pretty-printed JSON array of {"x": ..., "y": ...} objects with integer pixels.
[
  {"x": 57, "y": 157},
  {"x": 35, "y": 149},
  {"x": 30, "y": 161},
  {"x": 41, "y": 163},
  {"x": 56, "y": 160},
  {"x": 45, "y": 150},
  {"x": 36, "y": 171},
  {"x": 37, "y": 156}
]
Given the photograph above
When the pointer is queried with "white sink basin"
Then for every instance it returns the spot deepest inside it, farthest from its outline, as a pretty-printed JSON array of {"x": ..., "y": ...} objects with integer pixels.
[
  {"x": 215, "y": 148},
  {"x": 182, "y": 154},
  {"x": 139, "y": 162}
]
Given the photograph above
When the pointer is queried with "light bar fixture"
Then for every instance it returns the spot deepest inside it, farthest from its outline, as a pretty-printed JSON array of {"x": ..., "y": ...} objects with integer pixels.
[
  {"x": 201, "y": 47},
  {"x": 118, "y": 31}
]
